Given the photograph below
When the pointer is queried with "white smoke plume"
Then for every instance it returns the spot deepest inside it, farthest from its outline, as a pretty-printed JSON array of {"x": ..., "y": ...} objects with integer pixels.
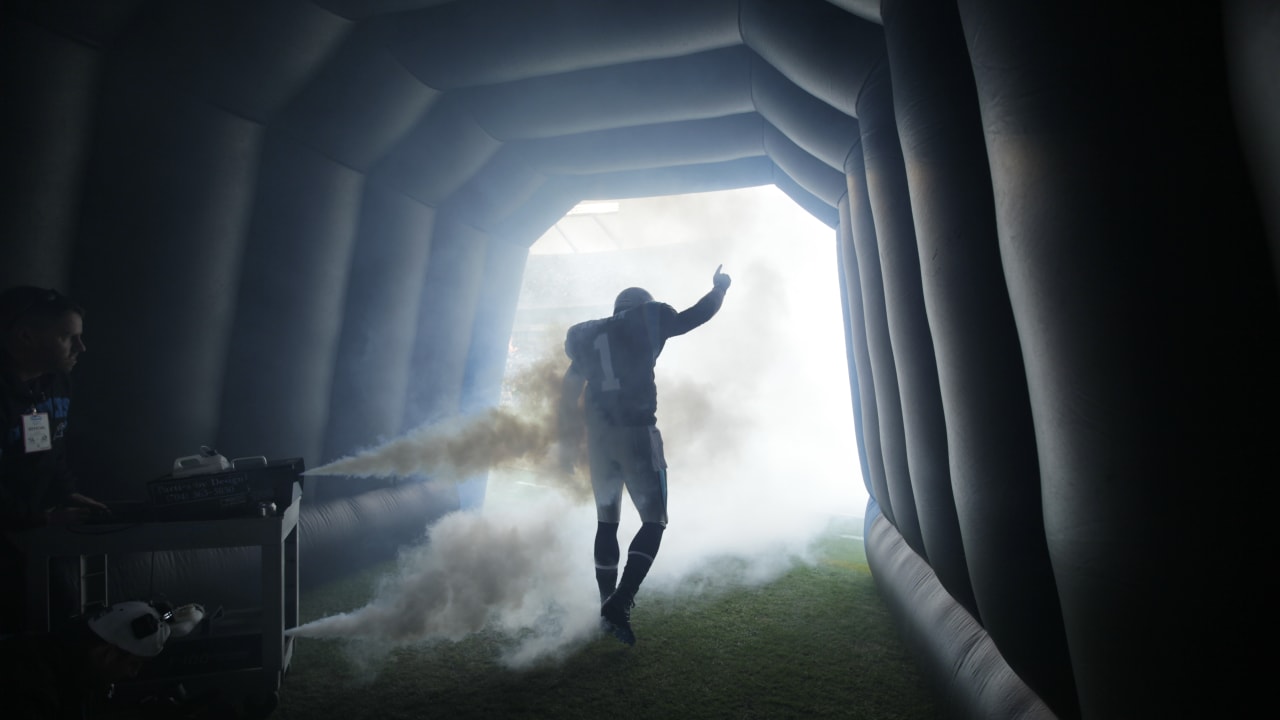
[{"x": 517, "y": 571}]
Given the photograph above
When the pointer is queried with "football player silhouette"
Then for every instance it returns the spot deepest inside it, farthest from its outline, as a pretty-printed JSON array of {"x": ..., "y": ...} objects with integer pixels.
[{"x": 613, "y": 358}]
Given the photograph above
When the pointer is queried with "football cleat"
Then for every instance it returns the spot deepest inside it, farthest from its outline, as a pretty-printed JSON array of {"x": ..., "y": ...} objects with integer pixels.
[{"x": 615, "y": 616}]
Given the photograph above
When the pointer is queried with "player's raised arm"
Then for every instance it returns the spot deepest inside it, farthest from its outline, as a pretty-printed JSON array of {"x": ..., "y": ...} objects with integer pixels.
[{"x": 704, "y": 309}]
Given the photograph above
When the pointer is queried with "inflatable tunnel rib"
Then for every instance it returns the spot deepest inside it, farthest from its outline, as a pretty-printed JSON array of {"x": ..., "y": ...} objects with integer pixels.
[{"x": 300, "y": 228}]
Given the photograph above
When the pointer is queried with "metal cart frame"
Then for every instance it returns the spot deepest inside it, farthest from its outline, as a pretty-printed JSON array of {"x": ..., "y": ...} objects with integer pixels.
[{"x": 276, "y": 535}]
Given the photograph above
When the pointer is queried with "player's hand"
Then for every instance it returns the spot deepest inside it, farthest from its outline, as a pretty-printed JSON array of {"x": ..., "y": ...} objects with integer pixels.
[{"x": 720, "y": 280}]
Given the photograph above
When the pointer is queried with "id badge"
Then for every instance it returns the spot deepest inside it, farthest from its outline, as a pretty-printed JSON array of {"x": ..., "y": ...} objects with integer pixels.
[{"x": 35, "y": 432}]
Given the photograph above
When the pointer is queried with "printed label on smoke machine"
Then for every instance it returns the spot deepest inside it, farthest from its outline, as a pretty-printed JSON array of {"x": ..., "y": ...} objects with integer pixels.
[{"x": 229, "y": 489}]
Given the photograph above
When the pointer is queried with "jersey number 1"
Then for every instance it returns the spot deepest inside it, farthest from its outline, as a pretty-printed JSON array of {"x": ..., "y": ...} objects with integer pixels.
[{"x": 606, "y": 363}]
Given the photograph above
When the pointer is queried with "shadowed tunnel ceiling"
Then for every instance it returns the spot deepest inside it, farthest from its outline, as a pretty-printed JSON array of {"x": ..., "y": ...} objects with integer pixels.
[{"x": 300, "y": 227}]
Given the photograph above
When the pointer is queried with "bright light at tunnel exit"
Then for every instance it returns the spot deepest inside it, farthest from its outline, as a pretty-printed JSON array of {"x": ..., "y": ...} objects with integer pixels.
[{"x": 763, "y": 388}]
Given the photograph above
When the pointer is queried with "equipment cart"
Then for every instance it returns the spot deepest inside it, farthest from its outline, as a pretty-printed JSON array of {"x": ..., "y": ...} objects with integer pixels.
[{"x": 241, "y": 654}]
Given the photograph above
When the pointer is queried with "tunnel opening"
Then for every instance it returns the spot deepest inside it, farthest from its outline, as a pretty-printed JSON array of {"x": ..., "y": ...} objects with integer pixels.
[{"x": 755, "y": 407}]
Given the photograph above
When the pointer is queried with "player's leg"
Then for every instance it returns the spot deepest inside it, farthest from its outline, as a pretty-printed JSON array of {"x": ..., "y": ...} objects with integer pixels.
[
  {"x": 607, "y": 553},
  {"x": 640, "y": 556},
  {"x": 646, "y": 482},
  {"x": 647, "y": 485},
  {"x": 606, "y": 485}
]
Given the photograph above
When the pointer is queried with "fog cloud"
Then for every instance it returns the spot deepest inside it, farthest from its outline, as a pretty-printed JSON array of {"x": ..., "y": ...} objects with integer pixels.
[
  {"x": 754, "y": 408},
  {"x": 516, "y": 571},
  {"x": 518, "y": 433}
]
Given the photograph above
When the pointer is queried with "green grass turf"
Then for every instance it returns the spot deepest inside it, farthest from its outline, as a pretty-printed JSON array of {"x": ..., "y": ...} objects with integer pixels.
[{"x": 815, "y": 643}]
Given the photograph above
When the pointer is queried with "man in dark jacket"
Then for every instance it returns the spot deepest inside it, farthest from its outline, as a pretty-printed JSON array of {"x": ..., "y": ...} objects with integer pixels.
[
  {"x": 41, "y": 343},
  {"x": 614, "y": 358}
]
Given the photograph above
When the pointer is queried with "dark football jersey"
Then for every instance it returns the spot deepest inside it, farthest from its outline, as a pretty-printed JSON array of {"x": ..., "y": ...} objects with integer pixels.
[{"x": 616, "y": 356}]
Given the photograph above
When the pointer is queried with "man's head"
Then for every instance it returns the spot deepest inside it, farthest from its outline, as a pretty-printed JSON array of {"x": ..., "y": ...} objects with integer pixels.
[
  {"x": 42, "y": 331},
  {"x": 630, "y": 298}
]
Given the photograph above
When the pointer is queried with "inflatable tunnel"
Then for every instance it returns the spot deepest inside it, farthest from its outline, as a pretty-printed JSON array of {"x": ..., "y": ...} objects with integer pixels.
[{"x": 300, "y": 227}]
